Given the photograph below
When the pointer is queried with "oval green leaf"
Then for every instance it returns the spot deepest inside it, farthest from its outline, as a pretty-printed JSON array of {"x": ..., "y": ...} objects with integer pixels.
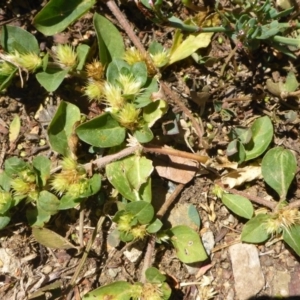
[
  {"x": 254, "y": 231},
  {"x": 154, "y": 276},
  {"x": 155, "y": 226},
  {"x": 131, "y": 177},
  {"x": 57, "y": 15},
  {"x": 238, "y": 204},
  {"x": 48, "y": 202},
  {"x": 110, "y": 36},
  {"x": 49, "y": 238},
  {"x": 262, "y": 134},
  {"x": 120, "y": 290},
  {"x": 14, "y": 38},
  {"x": 103, "y": 131},
  {"x": 61, "y": 127},
  {"x": 278, "y": 168},
  {"x": 292, "y": 237},
  {"x": 188, "y": 244},
  {"x": 51, "y": 79},
  {"x": 142, "y": 210}
]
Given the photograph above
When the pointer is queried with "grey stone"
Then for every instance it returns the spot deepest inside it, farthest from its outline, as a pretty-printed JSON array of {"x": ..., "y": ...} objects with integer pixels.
[{"x": 248, "y": 277}]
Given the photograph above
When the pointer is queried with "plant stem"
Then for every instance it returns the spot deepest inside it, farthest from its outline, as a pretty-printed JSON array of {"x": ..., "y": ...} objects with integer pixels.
[
  {"x": 128, "y": 29},
  {"x": 169, "y": 151}
]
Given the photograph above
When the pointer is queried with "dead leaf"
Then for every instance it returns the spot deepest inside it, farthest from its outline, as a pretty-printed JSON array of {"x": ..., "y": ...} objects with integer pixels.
[
  {"x": 178, "y": 169},
  {"x": 239, "y": 176},
  {"x": 14, "y": 129}
]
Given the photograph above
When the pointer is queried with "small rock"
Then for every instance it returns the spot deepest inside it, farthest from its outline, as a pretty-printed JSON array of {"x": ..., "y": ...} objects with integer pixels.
[
  {"x": 208, "y": 241},
  {"x": 248, "y": 277},
  {"x": 47, "y": 269}
]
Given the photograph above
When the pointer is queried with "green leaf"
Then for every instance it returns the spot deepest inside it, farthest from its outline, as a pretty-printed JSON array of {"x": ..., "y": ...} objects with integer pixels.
[
  {"x": 144, "y": 98},
  {"x": 144, "y": 134},
  {"x": 42, "y": 166},
  {"x": 154, "y": 276},
  {"x": 50, "y": 239},
  {"x": 142, "y": 210},
  {"x": 254, "y": 231},
  {"x": 194, "y": 215},
  {"x": 68, "y": 201},
  {"x": 292, "y": 237},
  {"x": 188, "y": 244},
  {"x": 13, "y": 38},
  {"x": 155, "y": 48},
  {"x": 278, "y": 168},
  {"x": 14, "y": 165},
  {"x": 6, "y": 202},
  {"x": 120, "y": 290},
  {"x": 4, "y": 220},
  {"x": 154, "y": 111},
  {"x": 269, "y": 30},
  {"x": 82, "y": 52},
  {"x": 51, "y": 79},
  {"x": 5, "y": 181},
  {"x": 155, "y": 226},
  {"x": 36, "y": 216},
  {"x": 48, "y": 202},
  {"x": 57, "y": 15},
  {"x": 291, "y": 83},
  {"x": 61, "y": 127},
  {"x": 262, "y": 134},
  {"x": 139, "y": 71},
  {"x": 188, "y": 46},
  {"x": 5, "y": 81},
  {"x": 110, "y": 36},
  {"x": 103, "y": 131},
  {"x": 238, "y": 204},
  {"x": 131, "y": 177},
  {"x": 114, "y": 70}
]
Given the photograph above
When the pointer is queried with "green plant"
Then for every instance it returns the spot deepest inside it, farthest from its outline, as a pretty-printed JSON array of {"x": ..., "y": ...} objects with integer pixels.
[
  {"x": 250, "y": 143},
  {"x": 278, "y": 170},
  {"x": 155, "y": 288},
  {"x": 249, "y": 24},
  {"x": 32, "y": 183}
]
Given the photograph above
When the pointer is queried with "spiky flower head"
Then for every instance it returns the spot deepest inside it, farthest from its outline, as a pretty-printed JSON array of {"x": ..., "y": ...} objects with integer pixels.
[
  {"x": 95, "y": 70},
  {"x": 129, "y": 85},
  {"x": 66, "y": 56},
  {"x": 24, "y": 185},
  {"x": 72, "y": 179},
  {"x": 113, "y": 96},
  {"x": 94, "y": 90},
  {"x": 139, "y": 232},
  {"x": 124, "y": 222},
  {"x": 160, "y": 59},
  {"x": 132, "y": 56},
  {"x": 128, "y": 116},
  {"x": 29, "y": 61},
  {"x": 284, "y": 218}
]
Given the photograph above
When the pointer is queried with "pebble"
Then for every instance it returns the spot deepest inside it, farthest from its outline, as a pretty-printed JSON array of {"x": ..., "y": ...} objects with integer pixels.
[{"x": 246, "y": 270}]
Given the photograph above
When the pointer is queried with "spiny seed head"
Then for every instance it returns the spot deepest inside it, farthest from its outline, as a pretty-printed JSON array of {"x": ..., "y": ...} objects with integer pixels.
[
  {"x": 71, "y": 178},
  {"x": 113, "y": 96},
  {"x": 128, "y": 116},
  {"x": 66, "y": 56},
  {"x": 94, "y": 90},
  {"x": 22, "y": 188},
  {"x": 29, "y": 61},
  {"x": 95, "y": 70},
  {"x": 160, "y": 59},
  {"x": 129, "y": 85},
  {"x": 138, "y": 232},
  {"x": 132, "y": 56}
]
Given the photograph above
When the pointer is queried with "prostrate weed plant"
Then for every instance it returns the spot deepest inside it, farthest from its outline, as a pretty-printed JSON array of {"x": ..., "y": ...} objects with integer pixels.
[{"x": 125, "y": 84}]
